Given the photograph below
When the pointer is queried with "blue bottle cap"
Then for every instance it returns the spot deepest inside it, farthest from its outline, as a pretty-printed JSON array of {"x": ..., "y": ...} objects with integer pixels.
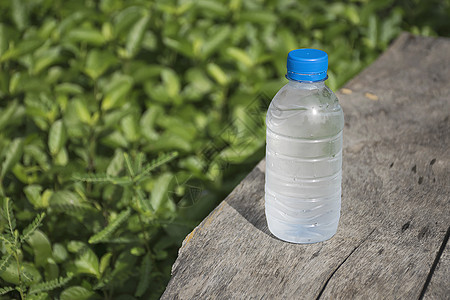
[{"x": 307, "y": 65}]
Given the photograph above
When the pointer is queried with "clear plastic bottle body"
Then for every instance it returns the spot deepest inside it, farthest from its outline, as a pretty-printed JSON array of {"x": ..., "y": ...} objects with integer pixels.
[{"x": 303, "y": 162}]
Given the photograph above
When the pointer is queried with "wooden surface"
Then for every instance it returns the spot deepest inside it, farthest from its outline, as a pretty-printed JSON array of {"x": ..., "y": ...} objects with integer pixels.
[{"x": 395, "y": 219}]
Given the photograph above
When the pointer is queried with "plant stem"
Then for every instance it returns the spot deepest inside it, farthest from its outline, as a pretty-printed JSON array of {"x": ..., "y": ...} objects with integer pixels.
[
  {"x": 146, "y": 238},
  {"x": 22, "y": 295}
]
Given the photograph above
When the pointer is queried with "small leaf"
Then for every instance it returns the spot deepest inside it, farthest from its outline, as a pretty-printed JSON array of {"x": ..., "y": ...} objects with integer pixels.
[
  {"x": 9, "y": 216},
  {"x": 217, "y": 40},
  {"x": 240, "y": 56},
  {"x": 13, "y": 155},
  {"x": 135, "y": 35},
  {"x": 57, "y": 137},
  {"x": 19, "y": 13},
  {"x": 104, "y": 234},
  {"x": 62, "y": 157},
  {"x": 68, "y": 202},
  {"x": 33, "y": 194},
  {"x": 217, "y": 73},
  {"x": 32, "y": 227},
  {"x": 102, "y": 178},
  {"x": 98, "y": 62},
  {"x": 23, "y": 48},
  {"x": 6, "y": 290},
  {"x": 59, "y": 253},
  {"x": 144, "y": 276},
  {"x": 263, "y": 17},
  {"x": 7, "y": 114},
  {"x": 116, "y": 164},
  {"x": 86, "y": 35},
  {"x": 4, "y": 262},
  {"x": 104, "y": 262},
  {"x": 69, "y": 88},
  {"x": 130, "y": 128},
  {"x": 157, "y": 162},
  {"x": 76, "y": 293},
  {"x": 49, "y": 285},
  {"x": 76, "y": 246},
  {"x": 160, "y": 190},
  {"x": 117, "y": 93},
  {"x": 41, "y": 246},
  {"x": 82, "y": 111},
  {"x": 88, "y": 263},
  {"x": 129, "y": 165},
  {"x": 171, "y": 81}
]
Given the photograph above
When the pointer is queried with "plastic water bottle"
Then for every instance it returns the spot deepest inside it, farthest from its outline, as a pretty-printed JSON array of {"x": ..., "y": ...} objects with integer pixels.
[{"x": 304, "y": 153}]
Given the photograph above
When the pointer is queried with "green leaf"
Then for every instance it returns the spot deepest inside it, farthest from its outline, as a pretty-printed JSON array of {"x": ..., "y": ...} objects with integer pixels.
[
  {"x": 76, "y": 246},
  {"x": 68, "y": 202},
  {"x": 117, "y": 92},
  {"x": 102, "y": 178},
  {"x": 42, "y": 248},
  {"x": 156, "y": 163},
  {"x": 9, "y": 216},
  {"x": 13, "y": 155},
  {"x": 87, "y": 263},
  {"x": 59, "y": 253},
  {"x": 82, "y": 111},
  {"x": 172, "y": 82},
  {"x": 39, "y": 296},
  {"x": 69, "y": 88},
  {"x": 215, "y": 8},
  {"x": 38, "y": 155},
  {"x": 98, "y": 62},
  {"x": 76, "y": 293},
  {"x": 135, "y": 36},
  {"x": 104, "y": 234},
  {"x": 62, "y": 157},
  {"x": 240, "y": 56},
  {"x": 33, "y": 194},
  {"x": 45, "y": 59},
  {"x": 32, "y": 227},
  {"x": 23, "y": 48},
  {"x": 116, "y": 164},
  {"x": 263, "y": 17},
  {"x": 104, "y": 262},
  {"x": 144, "y": 276},
  {"x": 7, "y": 114},
  {"x": 216, "y": 40},
  {"x": 86, "y": 35},
  {"x": 130, "y": 128},
  {"x": 144, "y": 204},
  {"x": 57, "y": 137},
  {"x": 129, "y": 165},
  {"x": 28, "y": 271},
  {"x": 19, "y": 14},
  {"x": 51, "y": 269},
  {"x": 49, "y": 285},
  {"x": 160, "y": 191},
  {"x": 180, "y": 45},
  {"x": 217, "y": 73},
  {"x": 4, "y": 262},
  {"x": 6, "y": 290}
]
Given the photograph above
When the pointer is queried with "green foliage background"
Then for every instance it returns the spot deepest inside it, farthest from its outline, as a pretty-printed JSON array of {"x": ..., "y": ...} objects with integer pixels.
[{"x": 123, "y": 123}]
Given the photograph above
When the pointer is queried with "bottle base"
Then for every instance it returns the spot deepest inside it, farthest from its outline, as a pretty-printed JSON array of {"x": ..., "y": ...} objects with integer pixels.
[{"x": 302, "y": 234}]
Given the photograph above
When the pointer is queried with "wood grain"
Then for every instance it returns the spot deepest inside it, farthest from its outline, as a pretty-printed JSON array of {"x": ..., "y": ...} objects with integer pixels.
[{"x": 395, "y": 220}]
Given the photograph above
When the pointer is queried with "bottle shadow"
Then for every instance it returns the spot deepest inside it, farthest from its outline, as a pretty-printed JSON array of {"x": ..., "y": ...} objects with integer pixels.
[{"x": 248, "y": 200}]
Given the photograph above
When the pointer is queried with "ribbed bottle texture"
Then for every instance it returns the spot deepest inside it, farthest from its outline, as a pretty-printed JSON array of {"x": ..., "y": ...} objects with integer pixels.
[{"x": 303, "y": 163}]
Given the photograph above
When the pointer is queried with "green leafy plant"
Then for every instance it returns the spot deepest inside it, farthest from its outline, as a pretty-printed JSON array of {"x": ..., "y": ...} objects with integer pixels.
[{"x": 12, "y": 267}]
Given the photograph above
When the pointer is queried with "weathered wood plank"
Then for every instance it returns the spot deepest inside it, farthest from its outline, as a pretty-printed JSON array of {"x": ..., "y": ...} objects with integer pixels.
[{"x": 395, "y": 204}]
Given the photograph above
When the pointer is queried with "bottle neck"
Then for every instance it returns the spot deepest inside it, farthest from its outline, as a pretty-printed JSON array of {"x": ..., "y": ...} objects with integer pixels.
[{"x": 306, "y": 85}]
